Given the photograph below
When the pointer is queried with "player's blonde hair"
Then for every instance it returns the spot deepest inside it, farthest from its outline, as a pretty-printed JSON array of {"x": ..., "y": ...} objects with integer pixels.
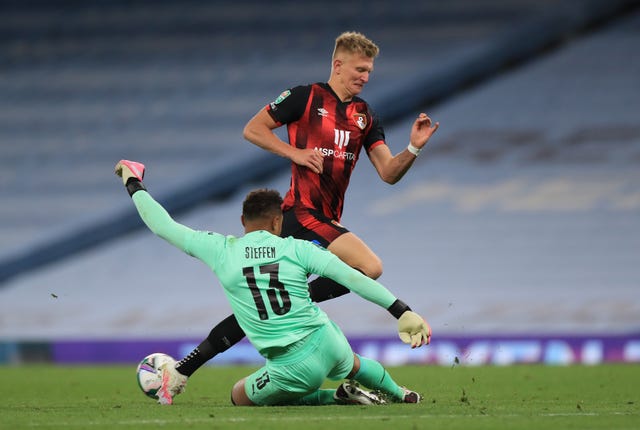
[{"x": 355, "y": 43}]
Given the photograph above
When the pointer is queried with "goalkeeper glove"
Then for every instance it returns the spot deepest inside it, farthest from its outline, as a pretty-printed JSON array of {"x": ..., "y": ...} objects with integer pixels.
[
  {"x": 413, "y": 329},
  {"x": 129, "y": 169},
  {"x": 131, "y": 173}
]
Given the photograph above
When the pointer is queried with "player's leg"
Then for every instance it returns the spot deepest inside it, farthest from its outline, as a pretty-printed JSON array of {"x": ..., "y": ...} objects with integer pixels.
[
  {"x": 353, "y": 251},
  {"x": 338, "y": 354},
  {"x": 317, "y": 228},
  {"x": 286, "y": 377},
  {"x": 373, "y": 375},
  {"x": 295, "y": 376},
  {"x": 222, "y": 337},
  {"x": 332, "y": 353},
  {"x": 239, "y": 394},
  {"x": 328, "y": 355}
]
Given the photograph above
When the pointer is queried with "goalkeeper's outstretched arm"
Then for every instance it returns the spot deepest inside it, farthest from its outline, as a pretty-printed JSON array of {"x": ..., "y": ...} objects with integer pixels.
[
  {"x": 152, "y": 213},
  {"x": 412, "y": 328}
]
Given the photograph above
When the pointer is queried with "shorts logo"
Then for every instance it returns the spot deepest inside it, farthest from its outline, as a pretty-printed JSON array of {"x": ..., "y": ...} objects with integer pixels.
[
  {"x": 361, "y": 120},
  {"x": 341, "y": 138},
  {"x": 336, "y": 223}
]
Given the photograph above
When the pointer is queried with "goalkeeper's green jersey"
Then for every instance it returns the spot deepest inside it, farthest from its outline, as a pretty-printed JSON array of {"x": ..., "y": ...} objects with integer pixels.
[{"x": 264, "y": 276}]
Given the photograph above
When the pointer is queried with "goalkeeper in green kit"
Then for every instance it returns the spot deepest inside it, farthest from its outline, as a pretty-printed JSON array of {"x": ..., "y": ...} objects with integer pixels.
[{"x": 264, "y": 278}]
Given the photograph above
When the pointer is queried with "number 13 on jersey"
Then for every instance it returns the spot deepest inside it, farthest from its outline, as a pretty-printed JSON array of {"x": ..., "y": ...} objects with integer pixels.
[{"x": 276, "y": 293}]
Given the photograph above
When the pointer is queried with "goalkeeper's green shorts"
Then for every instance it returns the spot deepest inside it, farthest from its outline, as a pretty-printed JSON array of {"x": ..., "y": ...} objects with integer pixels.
[{"x": 302, "y": 369}]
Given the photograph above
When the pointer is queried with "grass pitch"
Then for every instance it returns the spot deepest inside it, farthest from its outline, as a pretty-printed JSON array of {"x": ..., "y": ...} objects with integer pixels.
[{"x": 516, "y": 397}]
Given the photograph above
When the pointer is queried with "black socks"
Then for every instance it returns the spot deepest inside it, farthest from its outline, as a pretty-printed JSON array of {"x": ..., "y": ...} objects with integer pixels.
[{"x": 223, "y": 336}]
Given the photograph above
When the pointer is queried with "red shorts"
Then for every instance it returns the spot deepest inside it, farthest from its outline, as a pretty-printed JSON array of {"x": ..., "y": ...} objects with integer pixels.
[{"x": 314, "y": 226}]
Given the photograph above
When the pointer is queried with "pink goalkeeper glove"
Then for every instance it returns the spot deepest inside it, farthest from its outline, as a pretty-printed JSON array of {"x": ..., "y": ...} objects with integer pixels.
[{"x": 129, "y": 169}]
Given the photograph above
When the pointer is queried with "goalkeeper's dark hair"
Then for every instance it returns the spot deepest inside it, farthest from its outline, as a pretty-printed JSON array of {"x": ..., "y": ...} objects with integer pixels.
[{"x": 262, "y": 203}]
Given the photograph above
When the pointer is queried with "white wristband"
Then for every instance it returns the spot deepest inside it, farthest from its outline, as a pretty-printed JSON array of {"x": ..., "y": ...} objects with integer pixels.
[{"x": 412, "y": 149}]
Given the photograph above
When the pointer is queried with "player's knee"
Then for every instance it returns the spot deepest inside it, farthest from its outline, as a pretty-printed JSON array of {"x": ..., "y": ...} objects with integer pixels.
[
  {"x": 239, "y": 395},
  {"x": 373, "y": 269},
  {"x": 356, "y": 366}
]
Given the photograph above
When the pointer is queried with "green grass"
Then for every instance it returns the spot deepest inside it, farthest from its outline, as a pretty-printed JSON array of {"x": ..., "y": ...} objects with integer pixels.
[{"x": 517, "y": 397}]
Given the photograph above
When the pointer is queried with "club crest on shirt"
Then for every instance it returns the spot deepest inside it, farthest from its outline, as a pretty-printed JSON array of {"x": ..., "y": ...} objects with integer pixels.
[{"x": 361, "y": 120}]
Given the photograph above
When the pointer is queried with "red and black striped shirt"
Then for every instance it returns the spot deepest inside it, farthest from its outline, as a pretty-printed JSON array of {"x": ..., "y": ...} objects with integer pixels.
[{"x": 316, "y": 118}]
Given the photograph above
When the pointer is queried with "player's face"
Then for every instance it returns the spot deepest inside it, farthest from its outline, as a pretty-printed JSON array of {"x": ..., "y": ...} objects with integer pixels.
[{"x": 353, "y": 72}]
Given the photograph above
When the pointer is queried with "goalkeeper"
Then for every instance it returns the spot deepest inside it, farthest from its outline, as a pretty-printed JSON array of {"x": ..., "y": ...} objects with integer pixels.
[{"x": 264, "y": 278}]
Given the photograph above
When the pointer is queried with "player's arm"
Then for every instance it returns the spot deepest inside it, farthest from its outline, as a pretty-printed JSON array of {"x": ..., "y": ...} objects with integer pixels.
[
  {"x": 259, "y": 130},
  {"x": 152, "y": 213},
  {"x": 392, "y": 168},
  {"x": 412, "y": 328}
]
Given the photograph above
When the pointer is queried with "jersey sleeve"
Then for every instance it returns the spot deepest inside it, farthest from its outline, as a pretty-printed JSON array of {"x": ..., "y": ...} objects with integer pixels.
[
  {"x": 195, "y": 243},
  {"x": 324, "y": 263},
  {"x": 290, "y": 105},
  {"x": 375, "y": 136}
]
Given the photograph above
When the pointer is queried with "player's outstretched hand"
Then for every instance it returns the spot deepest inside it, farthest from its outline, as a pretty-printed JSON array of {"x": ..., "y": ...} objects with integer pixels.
[
  {"x": 129, "y": 169},
  {"x": 422, "y": 130},
  {"x": 413, "y": 329}
]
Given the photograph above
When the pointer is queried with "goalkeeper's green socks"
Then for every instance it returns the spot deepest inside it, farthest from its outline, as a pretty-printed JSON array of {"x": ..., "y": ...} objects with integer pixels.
[
  {"x": 318, "y": 398},
  {"x": 373, "y": 376}
]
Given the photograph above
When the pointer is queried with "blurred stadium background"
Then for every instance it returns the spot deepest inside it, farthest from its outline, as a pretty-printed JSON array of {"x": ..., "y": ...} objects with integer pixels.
[{"x": 516, "y": 233}]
